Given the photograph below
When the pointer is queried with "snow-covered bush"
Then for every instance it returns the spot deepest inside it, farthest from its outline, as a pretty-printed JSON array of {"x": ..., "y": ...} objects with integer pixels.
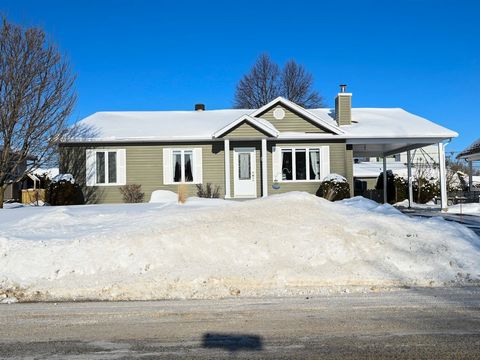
[
  {"x": 208, "y": 191},
  {"x": 334, "y": 187},
  {"x": 132, "y": 193},
  {"x": 64, "y": 192}
]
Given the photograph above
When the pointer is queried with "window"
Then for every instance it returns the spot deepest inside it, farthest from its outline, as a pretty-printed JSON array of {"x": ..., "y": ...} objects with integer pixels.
[
  {"x": 105, "y": 167},
  {"x": 182, "y": 166},
  {"x": 302, "y": 164}
]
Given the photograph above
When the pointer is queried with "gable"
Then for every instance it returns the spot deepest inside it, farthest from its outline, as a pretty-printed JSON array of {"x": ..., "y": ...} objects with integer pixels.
[
  {"x": 245, "y": 130},
  {"x": 292, "y": 122}
]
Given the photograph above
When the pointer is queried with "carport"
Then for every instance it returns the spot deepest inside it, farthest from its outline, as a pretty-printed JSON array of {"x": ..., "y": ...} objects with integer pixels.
[{"x": 378, "y": 147}]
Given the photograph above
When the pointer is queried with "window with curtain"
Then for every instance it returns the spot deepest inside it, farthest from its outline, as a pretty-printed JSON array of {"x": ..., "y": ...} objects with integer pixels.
[
  {"x": 300, "y": 164},
  {"x": 182, "y": 162},
  {"x": 287, "y": 165},
  {"x": 106, "y": 167}
]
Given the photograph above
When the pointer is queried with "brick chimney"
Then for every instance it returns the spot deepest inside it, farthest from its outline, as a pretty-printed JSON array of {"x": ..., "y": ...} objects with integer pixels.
[
  {"x": 199, "y": 107},
  {"x": 343, "y": 107}
]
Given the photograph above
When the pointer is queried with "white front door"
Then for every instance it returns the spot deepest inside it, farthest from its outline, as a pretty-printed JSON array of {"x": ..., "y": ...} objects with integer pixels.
[{"x": 244, "y": 173}]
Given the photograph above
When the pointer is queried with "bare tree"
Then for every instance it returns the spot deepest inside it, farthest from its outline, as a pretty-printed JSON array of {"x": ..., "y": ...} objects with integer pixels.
[
  {"x": 259, "y": 86},
  {"x": 296, "y": 86},
  {"x": 36, "y": 97},
  {"x": 266, "y": 81}
]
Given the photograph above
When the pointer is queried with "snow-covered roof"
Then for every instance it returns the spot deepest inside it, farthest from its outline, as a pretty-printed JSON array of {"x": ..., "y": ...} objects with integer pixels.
[
  {"x": 473, "y": 149},
  {"x": 389, "y": 123},
  {"x": 367, "y": 123}
]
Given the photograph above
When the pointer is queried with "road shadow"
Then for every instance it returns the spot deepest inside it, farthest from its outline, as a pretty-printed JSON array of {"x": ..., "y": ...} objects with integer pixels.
[{"x": 232, "y": 342}]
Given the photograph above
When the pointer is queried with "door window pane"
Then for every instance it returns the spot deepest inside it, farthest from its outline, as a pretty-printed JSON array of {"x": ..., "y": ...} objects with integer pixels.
[
  {"x": 177, "y": 166},
  {"x": 286, "y": 164},
  {"x": 188, "y": 160},
  {"x": 244, "y": 170},
  {"x": 301, "y": 164},
  {"x": 112, "y": 167},
  {"x": 314, "y": 164},
  {"x": 100, "y": 167}
]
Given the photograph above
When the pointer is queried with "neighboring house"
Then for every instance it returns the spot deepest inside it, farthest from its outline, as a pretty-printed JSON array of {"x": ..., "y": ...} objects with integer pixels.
[
  {"x": 471, "y": 154},
  {"x": 13, "y": 191},
  {"x": 247, "y": 153}
]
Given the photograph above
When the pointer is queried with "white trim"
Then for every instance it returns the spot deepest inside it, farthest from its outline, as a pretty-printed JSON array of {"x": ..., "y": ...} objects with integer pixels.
[
  {"x": 264, "y": 169},
  {"x": 269, "y": 129},
  {"x": 91, "y": 167},
  {"x": 253, "y": 164},
  {"x": 226, "y": 143},
  {"x": 443, "y": 175},
  {"x": 197, "y": 166},
  {"x": 410, "y": 179},
  {"x": 300, "y": 110},
  {"x": 385, "y": 194}
]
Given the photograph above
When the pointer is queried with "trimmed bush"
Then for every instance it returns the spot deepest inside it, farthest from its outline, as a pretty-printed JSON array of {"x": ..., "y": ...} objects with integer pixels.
[
  {"x": 334, "y": 187},
  {"x": 64, "y": 192},
  {"x": 132, "y": 193}
]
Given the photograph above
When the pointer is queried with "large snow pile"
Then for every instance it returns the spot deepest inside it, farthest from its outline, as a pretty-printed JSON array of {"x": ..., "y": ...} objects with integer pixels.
[{"x": 287, "y": 244}]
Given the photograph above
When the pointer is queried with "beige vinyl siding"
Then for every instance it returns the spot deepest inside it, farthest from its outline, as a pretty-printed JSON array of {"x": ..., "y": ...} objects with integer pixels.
[
  {"x": 338, "y": 165},
  {"x": 144, "y": 166},
  {"x": 343, "y": 104},
  {"x": 292, "y": 122},
  {"x": 244, "y": 130}
]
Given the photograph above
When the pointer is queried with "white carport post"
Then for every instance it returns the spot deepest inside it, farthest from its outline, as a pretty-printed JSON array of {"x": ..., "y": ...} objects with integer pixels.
[
  {"x": 385, "y": 198},
  {"x": 443, "y": 176},
  {"x": 410, "y": 180},
  {"x": 470, "y": 175},
  {"x": 226, "y": 143},
  {"x": 264, "y": 168}
]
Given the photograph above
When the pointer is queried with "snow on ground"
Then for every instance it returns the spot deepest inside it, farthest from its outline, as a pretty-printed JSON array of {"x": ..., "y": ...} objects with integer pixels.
[
  {"x": 468, "y": 209},
  {"x": 287, "y": 244}
]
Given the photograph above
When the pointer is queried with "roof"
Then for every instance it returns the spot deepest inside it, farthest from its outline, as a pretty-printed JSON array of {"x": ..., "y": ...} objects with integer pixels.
[
  {"x": 473, "y": 149},
  {"x": 205, "y": 125}
]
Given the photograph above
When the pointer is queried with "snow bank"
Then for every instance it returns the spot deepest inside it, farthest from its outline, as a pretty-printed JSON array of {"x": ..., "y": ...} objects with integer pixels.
[
  {"x": 287, "y": 244},
  {"x": 163, "y": 196}
]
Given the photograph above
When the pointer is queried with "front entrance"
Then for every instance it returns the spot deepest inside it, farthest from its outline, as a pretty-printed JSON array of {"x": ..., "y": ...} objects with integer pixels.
[{"x": 244, "y": 173}]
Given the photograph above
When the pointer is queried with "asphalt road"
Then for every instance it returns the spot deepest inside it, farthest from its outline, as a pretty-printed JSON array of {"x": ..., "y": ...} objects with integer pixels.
[{"x": 407, "y": 323}]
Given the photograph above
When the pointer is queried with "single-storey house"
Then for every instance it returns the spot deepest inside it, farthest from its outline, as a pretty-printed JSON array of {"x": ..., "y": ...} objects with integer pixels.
[{"x": 248, "y": 153}]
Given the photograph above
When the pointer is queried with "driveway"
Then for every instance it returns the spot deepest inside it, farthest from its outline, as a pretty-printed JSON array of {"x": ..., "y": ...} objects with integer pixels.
[
  {"x": 431, "y": 323},
  {"x": 470, "y": 221}
]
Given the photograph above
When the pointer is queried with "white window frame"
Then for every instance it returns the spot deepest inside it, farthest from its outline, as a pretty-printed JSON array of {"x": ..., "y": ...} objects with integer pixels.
[
  {"x": 293, "y": 149},
  {"x": 182, "y": 166},
  {"x": 168, "y": 173},
  {"x": 120, "y": 163}
]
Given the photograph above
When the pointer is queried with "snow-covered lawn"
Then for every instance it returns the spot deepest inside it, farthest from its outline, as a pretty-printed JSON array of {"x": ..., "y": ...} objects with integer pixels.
[
  {"x": 467, "y": 209},
  {"x": 294, "y": 243}
]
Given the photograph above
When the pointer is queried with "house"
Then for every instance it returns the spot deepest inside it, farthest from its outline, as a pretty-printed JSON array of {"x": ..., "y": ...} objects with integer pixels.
[
  {"x": 277, "y": 148},
  {"x": 471, "y": 154}
]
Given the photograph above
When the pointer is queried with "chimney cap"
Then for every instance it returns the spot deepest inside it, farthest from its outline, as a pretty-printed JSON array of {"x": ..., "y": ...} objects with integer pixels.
[
  {"x": 199, "y": 107},
  {"x": 343, "y": 88}
]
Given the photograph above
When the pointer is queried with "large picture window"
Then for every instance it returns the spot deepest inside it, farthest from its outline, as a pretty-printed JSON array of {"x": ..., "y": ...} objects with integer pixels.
[{"x": 300, "y": 164}]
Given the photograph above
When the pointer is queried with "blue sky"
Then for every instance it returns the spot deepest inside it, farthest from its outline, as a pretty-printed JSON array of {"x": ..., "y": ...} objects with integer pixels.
[{"x": 423, "y": 56}]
